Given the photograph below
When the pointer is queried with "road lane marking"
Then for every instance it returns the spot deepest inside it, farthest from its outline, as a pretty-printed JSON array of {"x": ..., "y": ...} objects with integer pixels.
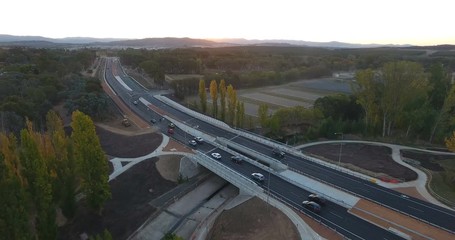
[
  {"x": 416, "y": 209},
  {"x": 336, "y": 215}
]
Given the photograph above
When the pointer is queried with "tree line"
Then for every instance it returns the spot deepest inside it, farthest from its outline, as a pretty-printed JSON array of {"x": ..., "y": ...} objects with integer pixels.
[
  {"x": 401, "y": 100},
  {"x": 33, "y": 81},
  {"x": 43, "y": 171},
  {"x": 229, "y": 109}
]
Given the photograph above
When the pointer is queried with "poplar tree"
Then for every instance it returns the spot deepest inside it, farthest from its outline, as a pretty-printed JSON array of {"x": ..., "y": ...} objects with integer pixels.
[
  {"x": 39, "y": 183},
  {"x": 214, "y": 96},
  {"x": 232, "y": 103},
  {"x": 13, "y": 215},
  {"x": 202, "y": 96},
  {"x": 65, "y": 183},
  {"x": 263, "y": 112},
  {"x": 91, "y": 161},
  {"x": 222, "y": 90}
]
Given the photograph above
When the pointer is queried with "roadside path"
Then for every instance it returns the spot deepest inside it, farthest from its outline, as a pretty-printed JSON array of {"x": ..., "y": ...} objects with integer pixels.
[{"x": 419, "y": 184}]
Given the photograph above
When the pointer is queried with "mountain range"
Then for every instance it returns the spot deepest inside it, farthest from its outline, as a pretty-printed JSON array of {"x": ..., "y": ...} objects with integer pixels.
[{"x": 38, "y": 41}]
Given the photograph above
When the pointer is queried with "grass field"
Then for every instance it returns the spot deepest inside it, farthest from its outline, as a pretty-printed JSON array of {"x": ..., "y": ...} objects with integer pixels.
[
  {"x": 442, "y": 182},
  {"x": 300, "y": 93}
]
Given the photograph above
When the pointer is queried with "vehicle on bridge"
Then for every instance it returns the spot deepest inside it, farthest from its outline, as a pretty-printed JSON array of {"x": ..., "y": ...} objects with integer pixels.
[
  {"x": 317, "y": 199},
  {"x": 216, "y": 155},
  {"x": 199, "y": 140},
  {"x": 258, "y": 177},
  {"x": 237, "y": 159},
  {"x": 170, "y": 130},
  {"x": 171, "y": 125},
  {"x": 277, "y": 152},
  {"x": 192, "y": 143},
  {"x": 312, "y": 206}
]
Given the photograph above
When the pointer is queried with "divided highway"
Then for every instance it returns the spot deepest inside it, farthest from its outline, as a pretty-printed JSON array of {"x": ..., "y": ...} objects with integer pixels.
[{"x": 332, "y": 215}]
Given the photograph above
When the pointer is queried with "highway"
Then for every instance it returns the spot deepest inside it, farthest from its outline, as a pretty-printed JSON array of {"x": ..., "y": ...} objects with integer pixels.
[{"x": 333, "y": 215}]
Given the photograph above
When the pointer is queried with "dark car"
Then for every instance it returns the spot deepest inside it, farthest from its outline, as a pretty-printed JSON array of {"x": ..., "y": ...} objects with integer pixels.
[
  {"x": 153, "y": 120},
  {"x": 171, "y": 125},
  {"x": 170, "y": 130},
  {"x": 312, "y": 206},
  {"x": 317, "y": 199},
  {"x": 278, "y": 153},
  {"x": 237, "y": 159}
]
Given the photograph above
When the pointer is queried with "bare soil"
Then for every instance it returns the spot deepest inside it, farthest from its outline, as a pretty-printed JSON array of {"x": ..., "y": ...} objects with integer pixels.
[
  {"x": 253, "y": 220},
  {"x": 376, "y": 159}
]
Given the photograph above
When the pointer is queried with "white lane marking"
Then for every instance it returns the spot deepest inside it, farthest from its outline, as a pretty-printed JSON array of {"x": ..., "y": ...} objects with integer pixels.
[
  {"x": 336, "y": 215},
  {"x": 415, "y": 209}
]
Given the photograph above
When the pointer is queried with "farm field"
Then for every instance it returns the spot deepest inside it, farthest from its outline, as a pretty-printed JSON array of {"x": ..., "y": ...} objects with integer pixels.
[{"x": 300, "y": 93}]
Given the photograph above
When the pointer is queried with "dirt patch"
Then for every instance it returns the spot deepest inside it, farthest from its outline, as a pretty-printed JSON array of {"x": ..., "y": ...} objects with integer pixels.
[
  {"x": 253, "y": 220},
  {"x": 426, "y": 160},
  {"x": 128, "y": 209},
  {"x": 373, "y": 158},
  {"x": 169, "y": 166},
  {"x": 119, "y": 145}
]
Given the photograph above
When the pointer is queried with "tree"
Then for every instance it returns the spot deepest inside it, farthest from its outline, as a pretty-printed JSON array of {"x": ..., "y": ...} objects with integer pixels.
[
  {"x": 222, "y": 91},
  {"x": 440, "y": 96},
  {"x": 450, "y": 142},
  {"x": 214, "y": 96},
  {"x": 39, "y": 183},
  {"x": 63, "y": 167},
  {"x": 232, "y": 103},
  {"x": 367, "y": 91},
  {"x": 202, "y": 96},
  {"x": 13, "y": 216},
  {"x": 263, "y": 113},
  {"x": 397, "y": 76},
  {"x": 91, "y": 161}
]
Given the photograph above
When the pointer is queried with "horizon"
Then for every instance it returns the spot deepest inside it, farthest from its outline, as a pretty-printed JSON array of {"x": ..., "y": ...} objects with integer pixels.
[{"x": 350, "y": 21}]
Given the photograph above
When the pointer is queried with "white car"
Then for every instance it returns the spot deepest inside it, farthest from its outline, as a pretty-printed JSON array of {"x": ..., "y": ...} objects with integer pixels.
[
  {"x": 192, "y": 143},
  {"x": 216, "y": 155},
  {"x": 199, "y": 140},
  {"x": 258, "y": 177}
]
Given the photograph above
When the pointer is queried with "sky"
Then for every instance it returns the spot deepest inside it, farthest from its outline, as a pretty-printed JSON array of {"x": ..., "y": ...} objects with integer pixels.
[{"x": 418, "y": 22}]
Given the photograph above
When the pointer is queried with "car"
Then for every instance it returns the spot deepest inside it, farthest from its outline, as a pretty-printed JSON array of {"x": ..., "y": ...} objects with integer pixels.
[
  {"x": 258, "y": 177},
  {"x": 216, "y": 155},
  {"x": 278, "y": 152},
  {"x": 171, "y": 125},
  {"x": 192, "y": 143},
  {"x": 170, "y": 130},
  {"x": 153, "y": 120},
  {"x": 199, "y": 140},
  {"x": 312, "y": 206},
  {"x": 237, "y": 159},
  {"x": 317, "y": 199},
  {"x": 135, "y": 102}
]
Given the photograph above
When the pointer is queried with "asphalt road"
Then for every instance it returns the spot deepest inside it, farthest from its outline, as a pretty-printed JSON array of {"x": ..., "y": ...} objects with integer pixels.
[{"x": 334, "y": 215}]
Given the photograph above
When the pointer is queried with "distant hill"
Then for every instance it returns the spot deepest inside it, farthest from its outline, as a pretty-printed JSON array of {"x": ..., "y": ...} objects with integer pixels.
[
  {"x": 169, "y": 42},
  {"x": 165, "y": 43},
  {"x": 283, "y": 42}
]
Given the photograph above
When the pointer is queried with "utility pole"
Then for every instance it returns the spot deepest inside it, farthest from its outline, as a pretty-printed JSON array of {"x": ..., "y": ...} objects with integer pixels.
[{"x": 341, "y": 148}]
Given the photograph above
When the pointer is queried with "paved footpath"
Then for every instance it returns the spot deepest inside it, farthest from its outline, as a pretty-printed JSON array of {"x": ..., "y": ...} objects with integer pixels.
[{"x": 419, "y": 183}]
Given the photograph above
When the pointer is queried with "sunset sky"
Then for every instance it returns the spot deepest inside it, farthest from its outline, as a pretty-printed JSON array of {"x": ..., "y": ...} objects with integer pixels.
[{"x": 355, "y": 21}]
